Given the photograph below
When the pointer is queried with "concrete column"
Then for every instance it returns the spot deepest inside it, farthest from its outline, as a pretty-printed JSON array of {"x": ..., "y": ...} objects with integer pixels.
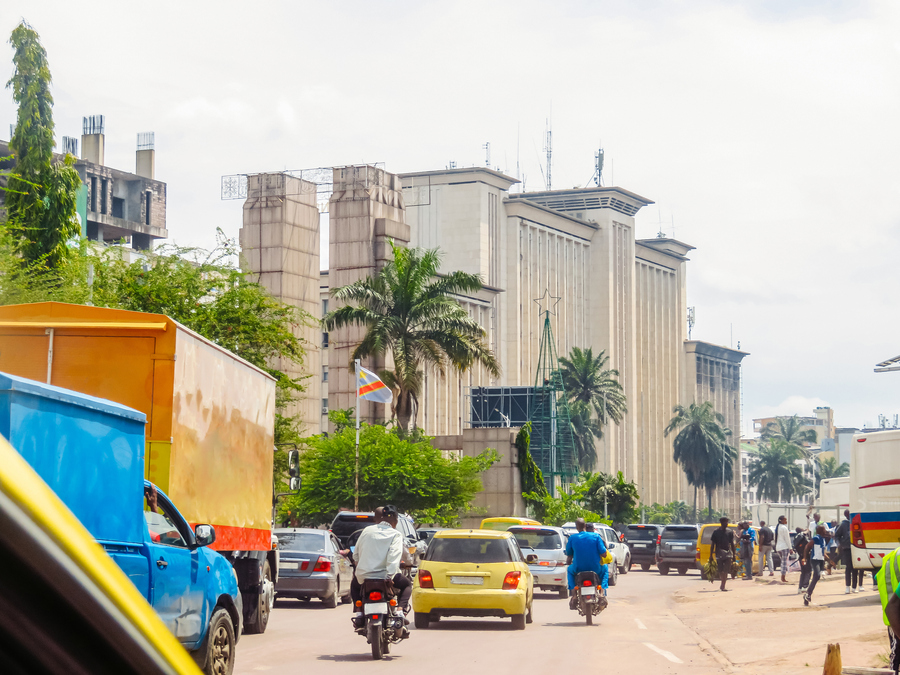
[
  {"x": 280, "y": 246},
  {"x": 145, "y": 163},
  {"x": 365, "y": 212},
  {"x": 92, "y": 148}
]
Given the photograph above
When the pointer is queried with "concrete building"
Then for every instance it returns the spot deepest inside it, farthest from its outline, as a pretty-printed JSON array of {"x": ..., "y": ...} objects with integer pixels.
[
  {"x": 822, "y": 422},
  {"x": 616, "y": 293},
  {"x": 116, "y": 205}
]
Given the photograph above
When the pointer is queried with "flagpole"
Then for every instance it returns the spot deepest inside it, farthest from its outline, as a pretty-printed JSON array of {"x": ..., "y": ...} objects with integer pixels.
[{"x": 356, "y": 384}]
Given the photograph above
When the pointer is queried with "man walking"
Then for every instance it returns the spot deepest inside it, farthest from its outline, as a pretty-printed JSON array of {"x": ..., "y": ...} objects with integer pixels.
[
  {"x": 817, "y": 560},
  {"x": 800, "y": 545},
  {"x": 766, "y": 537},
  {"x": 843, "y": 539},
  {"x": 782, "y": 539},
  {"x": 888, "y": 585},
  {"x": 723, "y": 549}
]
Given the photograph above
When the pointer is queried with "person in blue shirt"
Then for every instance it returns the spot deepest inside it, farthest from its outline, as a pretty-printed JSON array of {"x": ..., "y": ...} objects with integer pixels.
[
  {"x": 585, "y": 550},
  {"x": 816, "y": 548}
]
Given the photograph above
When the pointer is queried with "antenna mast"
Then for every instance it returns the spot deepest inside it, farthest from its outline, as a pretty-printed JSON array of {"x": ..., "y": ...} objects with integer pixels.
[
  {"x": 691, "y": 319},
  {"x": 548, "y": 147},
  {"x": 487, "y": 154},
  {"x": 598, "y": 167}
]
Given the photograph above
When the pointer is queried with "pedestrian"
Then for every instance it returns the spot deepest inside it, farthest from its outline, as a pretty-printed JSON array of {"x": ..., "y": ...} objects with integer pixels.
[
  {"x": 800, "y": 546},
  {"x": 766, "y": 537},
  {"x": 722, "y": 548},
  {"x": 844, "y": 540},
  {"x": 812, "y": 522},
  {"x": 816, "y": 548},
  {"x": 831, "y": 553},
  {"x": 888, "y": 586},
  {"x": 782, "y": 539},
  {"x": 747, "y": 550}
]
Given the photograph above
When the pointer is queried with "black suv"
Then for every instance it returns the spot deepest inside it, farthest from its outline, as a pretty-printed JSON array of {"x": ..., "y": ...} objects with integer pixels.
[
  {"x": 678, "y": 549},
  {"x": 347, "y": 523},
  {"x": 643, "y": 541}
]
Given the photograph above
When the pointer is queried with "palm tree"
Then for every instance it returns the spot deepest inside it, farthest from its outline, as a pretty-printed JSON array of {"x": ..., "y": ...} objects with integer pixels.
[
  {"x": 775, "y": 472},
  {"x": 717, "y": 475},
  {"x": 585, "y": 430},
  {"x": 409, "y": 311},
  {"x": 698, "y": 445},
  {"x": 829, "y": 468},
  {"x": 789, "y": 429},
  {"x": 588, "y": 380}
]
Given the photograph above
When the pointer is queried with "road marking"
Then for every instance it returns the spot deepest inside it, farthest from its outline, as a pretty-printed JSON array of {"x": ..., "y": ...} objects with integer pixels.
[
  {"x": 664, "y": 653},
  {"x": 640, "y": 624}
]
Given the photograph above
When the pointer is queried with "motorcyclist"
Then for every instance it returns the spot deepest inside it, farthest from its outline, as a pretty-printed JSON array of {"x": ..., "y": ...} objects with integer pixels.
[
  {"x": 585, "y": 551},
  {"x": 377, "y": 555}
]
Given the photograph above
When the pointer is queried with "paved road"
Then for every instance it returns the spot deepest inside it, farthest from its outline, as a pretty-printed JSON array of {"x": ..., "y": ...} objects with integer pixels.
[{"x": 638, "y": 633}]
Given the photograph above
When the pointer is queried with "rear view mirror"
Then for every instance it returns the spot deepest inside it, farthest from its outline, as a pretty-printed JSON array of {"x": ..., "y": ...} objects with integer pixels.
[
  {"x": 204, "y": 534},
  {"x": 295, "y": 483}
]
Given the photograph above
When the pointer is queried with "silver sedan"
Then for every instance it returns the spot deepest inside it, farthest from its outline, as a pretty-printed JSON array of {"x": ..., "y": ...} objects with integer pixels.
[{"x": 310, "y": 565}]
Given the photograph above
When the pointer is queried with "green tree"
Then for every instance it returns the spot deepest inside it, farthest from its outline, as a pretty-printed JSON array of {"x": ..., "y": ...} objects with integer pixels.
[
  {"x": 790, "y": 429},
  {"x": 699, "y": 442},
  {"x": 775, "y": 472},
  {"x": 716, "y": 475},
  {"x": 587, "y": 380},
  {"x": 829, "y": 468},
  {"x": 41, "y": 193},
  {"x": 621, "y": 496},
  {"x": 411, "y": 474},
  {"x": 530, "y": 474},
  {"x": 411, "y": 312},
  {"x": 585, "y": 432}
]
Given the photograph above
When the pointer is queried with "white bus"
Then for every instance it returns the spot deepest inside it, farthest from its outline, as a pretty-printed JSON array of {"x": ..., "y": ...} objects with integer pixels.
[
  {"x": 835, "y": 492},
  {"x": 874, "y": 497}
]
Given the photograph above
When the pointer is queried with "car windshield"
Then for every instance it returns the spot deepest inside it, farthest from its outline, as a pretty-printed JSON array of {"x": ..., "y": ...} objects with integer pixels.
[
  {"x": 345, "y": 526},
  {"x": 681, "y": 533},
  {"x": 639, "y": 533},
  {"x": 311, "y": 542},
  {"x": 462, "y": 550},
  {"x": 546, "y": 540}
]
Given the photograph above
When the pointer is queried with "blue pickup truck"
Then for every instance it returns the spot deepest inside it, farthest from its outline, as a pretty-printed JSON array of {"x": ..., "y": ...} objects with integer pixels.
[{"x": 90, "y": 451}]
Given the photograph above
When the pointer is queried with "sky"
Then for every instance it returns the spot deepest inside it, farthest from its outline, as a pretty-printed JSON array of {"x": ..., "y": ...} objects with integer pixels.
[{"x": 765, "y": 132}]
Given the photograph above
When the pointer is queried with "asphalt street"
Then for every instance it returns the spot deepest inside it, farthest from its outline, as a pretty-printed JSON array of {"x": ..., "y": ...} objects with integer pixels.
[{"x": 637, "y": 633}]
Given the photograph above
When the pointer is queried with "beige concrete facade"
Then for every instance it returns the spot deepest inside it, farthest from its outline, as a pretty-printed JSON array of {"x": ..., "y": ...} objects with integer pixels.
[
  {"x": 713, "y": 373},
  {"x": 280, "y": 246}
]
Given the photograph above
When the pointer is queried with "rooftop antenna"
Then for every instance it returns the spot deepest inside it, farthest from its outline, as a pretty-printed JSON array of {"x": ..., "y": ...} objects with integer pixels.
[
  {"x": 487, "y": 154},
  {"x": 548, "y": 148},
  {"x": 518, "y": 177},
  {"x": 691, "y": 320},
  {"x": 598, "y": 167}
]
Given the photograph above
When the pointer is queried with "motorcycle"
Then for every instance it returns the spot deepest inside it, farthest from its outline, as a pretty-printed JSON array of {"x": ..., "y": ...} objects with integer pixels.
[
  {"x": 589, "y": 594},
  {"x": 384, "y": 621}
]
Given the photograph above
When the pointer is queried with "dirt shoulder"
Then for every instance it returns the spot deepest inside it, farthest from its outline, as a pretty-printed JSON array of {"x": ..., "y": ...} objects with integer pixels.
[{"x": 763, "y": 627}]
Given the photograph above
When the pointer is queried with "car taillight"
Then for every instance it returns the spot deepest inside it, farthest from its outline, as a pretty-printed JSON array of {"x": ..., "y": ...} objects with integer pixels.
[
  {"x": 511, "y": 581},
  {"x": 425, "y": 579},
  {"x": 375, "y": 596},
  {"x": 856, "y": 532},
  {"x": 323, "y": 564},
  {"x": 587, "y": 582},
  {"x": 697, "y": 557},
  {"x": 658, "y": 539}
]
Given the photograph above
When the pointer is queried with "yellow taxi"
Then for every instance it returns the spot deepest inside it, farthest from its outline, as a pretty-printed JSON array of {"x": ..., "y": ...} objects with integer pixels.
[
  {"x": 474, "y": 573},
  {"x": 503, "y": 523},
  {"x": 68, "y": 606},
  {"x": 704, "y": 540}
]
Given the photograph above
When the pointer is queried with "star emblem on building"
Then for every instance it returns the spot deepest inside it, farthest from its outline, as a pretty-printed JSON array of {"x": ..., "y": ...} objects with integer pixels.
[{"x": 548, "y": 302}]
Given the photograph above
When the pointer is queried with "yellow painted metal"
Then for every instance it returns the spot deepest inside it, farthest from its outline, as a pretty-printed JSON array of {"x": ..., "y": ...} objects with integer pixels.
[
  {"x": 82, "y": 324},
  {"x": 24, "y": 487}
]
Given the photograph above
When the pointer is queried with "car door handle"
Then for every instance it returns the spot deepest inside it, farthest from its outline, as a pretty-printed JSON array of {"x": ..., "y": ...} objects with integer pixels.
[{"x": 161, "y": 564}]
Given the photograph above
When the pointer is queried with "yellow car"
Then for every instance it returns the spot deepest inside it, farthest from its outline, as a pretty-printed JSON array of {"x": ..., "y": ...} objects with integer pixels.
[
  {"x": 503, "y": 523},
  {"x": 67, "y": 607},
  {"x": 474, "y": 573},
  {"x": 704, "y": 541}
]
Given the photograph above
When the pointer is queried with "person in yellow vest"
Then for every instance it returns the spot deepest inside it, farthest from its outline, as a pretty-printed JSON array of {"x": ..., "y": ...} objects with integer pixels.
[{"x": 888, "y": 587}]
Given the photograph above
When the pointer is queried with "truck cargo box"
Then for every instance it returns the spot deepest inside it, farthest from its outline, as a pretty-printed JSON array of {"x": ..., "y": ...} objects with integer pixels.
[
  {"x": 89, "y": 451},
  {"x": 210, "y": 415}
]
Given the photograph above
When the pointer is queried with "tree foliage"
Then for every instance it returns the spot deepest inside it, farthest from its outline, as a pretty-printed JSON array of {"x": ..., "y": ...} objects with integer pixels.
[
  {"x": 409, "y": 312},
  {"x": 621, "y": 496},
  {"x": 530, "y": 474},
  {"x": 586, "y": 432},
  {"x": 412, "y": 475},
  {"x": 775, "y": 472},
  {"x": 829, "y": 468},
  {"x": 673, "y": 513},
  {"x": 41, "y": 193},
  {"x": 587, "y": 380}
]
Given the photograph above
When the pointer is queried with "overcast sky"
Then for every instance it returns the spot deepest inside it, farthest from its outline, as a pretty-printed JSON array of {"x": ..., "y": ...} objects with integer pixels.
[{"x": 766, "y": 135}]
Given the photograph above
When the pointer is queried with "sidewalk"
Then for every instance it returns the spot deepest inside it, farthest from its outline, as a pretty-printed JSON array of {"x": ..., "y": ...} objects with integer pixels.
[{"x": 762, "y": 627}]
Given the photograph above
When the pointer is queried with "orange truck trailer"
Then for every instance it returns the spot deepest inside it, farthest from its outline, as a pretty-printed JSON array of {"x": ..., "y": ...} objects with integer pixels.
[{"x": 210, "y": 418}]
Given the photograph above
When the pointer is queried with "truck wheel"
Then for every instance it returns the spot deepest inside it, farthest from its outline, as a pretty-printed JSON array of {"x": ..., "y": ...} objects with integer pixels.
[
  {"x": 220, "y": 644},
  {"x": 682, "y": 571},
  {"x": 262, "y": 604}
]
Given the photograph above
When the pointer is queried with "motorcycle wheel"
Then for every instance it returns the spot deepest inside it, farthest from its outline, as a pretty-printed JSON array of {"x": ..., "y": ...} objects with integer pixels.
[
  {"x": 376, "y": 639},
  {"x": 588, "y": 616}
]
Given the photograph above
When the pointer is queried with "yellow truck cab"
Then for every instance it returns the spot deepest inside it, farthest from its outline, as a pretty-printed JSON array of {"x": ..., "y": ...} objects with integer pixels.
[{"x": 503, "y": 523}]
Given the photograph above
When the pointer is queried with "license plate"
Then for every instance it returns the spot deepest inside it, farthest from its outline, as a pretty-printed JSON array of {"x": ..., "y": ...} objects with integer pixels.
[
  {"x": 588, "y": 590},
  {"x": 470, "y": 581},
  {"x": 640, "y": 545},
  {"x": 679, "y": 548},
  {"x": 287, "y": 565},
  {"x": 376, "y": 608}
]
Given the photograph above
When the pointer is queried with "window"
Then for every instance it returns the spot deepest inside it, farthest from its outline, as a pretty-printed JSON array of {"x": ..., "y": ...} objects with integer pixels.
[
  {"x": 324, "y": 340},
  {"x": 93, "y": 193},
  {"x": 324, "y": 373},
  {"x": 104, "y": 186},
  {"x": 324, "y": 406},
  {"x": 118, "y": 209},
  {"x": 325, "y": 307},
  {"x": 147, "y": 196},
  {"x": 162, "y": 525},
  {"x": 474, "y": 550}
]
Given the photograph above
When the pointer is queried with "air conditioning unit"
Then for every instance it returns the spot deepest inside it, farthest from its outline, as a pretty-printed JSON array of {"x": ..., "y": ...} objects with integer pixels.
[{"x": 324, "y": 410}]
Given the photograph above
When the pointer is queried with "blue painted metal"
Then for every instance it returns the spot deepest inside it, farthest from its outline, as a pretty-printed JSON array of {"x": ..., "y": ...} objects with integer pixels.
[{"x": 88, "y": 450}]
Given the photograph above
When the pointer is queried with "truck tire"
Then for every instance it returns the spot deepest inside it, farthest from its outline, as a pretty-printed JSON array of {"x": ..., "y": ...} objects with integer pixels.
[
  {"x": 645, "y": 567},
  {"x": 258, "y": 625},
  {"x": 220, "y": 644},
  {"x": 682, "y": 571}
]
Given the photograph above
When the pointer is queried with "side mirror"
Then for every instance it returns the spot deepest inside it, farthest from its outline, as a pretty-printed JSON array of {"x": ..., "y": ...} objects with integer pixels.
[
  {"x": 205, "y": 535},
  {"x": 294, "y": 463},
  {"x": 531, "y": 558},
  {"x": 295, "y": 483}
]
